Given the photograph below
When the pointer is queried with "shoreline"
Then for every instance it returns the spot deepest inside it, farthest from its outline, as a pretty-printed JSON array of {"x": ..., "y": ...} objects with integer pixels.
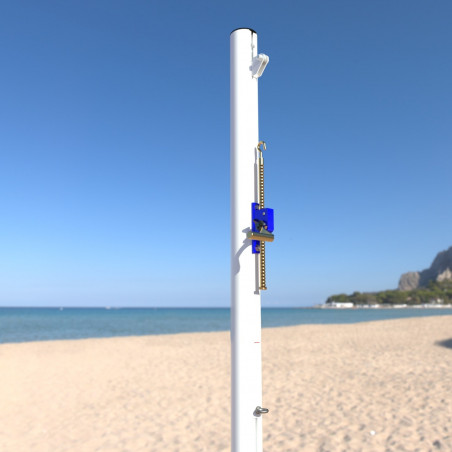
[
  {"x": 382, "y": 306},
  {"x": 18, "y": 326}
]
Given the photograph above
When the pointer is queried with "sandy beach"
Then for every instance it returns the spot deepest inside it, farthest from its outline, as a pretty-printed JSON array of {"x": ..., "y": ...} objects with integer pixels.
[{"x": 379, "y": 386}]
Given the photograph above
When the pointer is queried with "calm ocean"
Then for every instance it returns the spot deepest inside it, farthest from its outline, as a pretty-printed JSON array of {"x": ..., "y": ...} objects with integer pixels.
[{"x": 42, "y": 324}]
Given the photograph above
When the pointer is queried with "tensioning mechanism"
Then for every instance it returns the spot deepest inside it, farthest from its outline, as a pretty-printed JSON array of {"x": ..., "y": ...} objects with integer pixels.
[{"x": 262, "y": 224}]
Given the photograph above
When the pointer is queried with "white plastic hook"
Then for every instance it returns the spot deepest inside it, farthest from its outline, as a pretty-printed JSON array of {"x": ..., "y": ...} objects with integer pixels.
[{"x": 259, "y": 64}]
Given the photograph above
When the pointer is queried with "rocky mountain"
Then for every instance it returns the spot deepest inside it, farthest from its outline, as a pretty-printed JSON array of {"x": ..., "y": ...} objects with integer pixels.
[{"x": 440, "y": 270}]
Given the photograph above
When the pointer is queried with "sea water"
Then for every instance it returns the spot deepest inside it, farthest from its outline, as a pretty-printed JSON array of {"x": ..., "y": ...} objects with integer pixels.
[{"x": 41, "y": 324}]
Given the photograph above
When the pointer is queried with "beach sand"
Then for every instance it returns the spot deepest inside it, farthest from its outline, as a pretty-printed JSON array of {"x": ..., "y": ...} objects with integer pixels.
[{"x": 379, "y": 386}]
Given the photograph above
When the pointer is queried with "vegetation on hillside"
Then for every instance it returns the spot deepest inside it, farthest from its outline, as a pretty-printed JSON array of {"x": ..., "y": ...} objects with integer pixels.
[{"x": 435, "y": 292}]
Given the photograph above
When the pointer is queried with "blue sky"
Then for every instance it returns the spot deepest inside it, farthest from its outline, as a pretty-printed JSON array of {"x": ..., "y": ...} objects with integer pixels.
[{"x": 114, "y": 148}]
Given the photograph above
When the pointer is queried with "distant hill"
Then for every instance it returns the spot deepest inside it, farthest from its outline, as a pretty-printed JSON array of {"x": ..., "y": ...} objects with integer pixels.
[
  {"x": 430, "y": 286},
  {"x": 440, "y": 270}
]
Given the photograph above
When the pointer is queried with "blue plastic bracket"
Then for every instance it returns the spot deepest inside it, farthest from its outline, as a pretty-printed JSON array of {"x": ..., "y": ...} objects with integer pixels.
[{"x": 260, "y": 217}]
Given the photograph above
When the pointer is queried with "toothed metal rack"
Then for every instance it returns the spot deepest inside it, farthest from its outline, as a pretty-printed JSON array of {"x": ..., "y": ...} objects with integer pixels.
[{"x": 262, "y": 221}]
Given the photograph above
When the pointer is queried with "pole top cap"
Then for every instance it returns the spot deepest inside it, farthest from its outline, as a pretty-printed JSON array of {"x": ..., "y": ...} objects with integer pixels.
[{"x": 250, "y": 29}]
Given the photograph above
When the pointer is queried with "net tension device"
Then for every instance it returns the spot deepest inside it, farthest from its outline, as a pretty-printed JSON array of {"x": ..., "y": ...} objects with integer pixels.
[{"x": 262, "y": 223}]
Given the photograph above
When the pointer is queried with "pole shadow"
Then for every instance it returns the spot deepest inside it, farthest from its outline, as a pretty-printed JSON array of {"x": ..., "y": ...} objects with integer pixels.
[{"x": 446, "y": 343}]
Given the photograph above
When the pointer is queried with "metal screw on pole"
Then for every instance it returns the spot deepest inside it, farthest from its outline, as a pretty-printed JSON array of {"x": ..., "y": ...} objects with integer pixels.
[{"x": 259, "y": 411}]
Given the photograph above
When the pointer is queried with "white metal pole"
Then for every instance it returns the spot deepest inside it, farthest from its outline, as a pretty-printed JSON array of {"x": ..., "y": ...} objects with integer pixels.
[{"x": 246, "y": 361}]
